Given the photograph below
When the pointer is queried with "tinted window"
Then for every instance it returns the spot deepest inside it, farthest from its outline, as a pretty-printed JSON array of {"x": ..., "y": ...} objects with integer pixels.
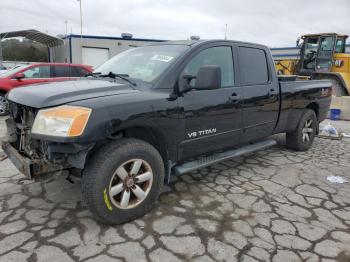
[
  {"x": 327, "y": 43},
  {"x": 220, "y": 56},
  {"x": 37, "y": 72},
  {"x": 78, "y": 71},
  {"x": 253, "y": 66},
  {"x": 62, "y": 71},
  {"x": 339, "y": 46}
]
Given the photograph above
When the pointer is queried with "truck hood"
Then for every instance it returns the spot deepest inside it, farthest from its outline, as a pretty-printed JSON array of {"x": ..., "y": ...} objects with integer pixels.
[{"x": 57, "y": 93}]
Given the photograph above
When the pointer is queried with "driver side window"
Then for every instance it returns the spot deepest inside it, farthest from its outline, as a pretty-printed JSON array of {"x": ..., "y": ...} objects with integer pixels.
[{"x": 220, "y": 56}]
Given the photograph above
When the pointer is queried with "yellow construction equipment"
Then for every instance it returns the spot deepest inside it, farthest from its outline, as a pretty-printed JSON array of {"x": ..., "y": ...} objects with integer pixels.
[{"x": 321, "y": 56}]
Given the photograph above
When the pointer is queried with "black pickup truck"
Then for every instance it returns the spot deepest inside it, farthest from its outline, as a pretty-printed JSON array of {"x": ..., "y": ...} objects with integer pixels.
[{"x": 153, "y": 112}]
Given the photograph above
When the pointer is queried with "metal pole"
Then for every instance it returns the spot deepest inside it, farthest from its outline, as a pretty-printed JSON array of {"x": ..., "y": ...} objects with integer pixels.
[
  {"x": 81, "y": 31},
  {"x": 0, "y": 52},
  {"x": 66, "y": 22},
  {"x": 1, "y": 57}
]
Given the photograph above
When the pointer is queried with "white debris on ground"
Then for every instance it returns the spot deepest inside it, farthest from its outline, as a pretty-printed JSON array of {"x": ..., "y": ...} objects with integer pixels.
[
  {"x": 334, "y": 129},
  {"x": 336, "y": 179}
]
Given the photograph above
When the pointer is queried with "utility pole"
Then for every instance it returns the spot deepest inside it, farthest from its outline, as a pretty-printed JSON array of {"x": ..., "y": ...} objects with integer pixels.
[
  {"x": 81, "y": 30},
  {"x": 1, "y": 57},
  {"x": 0, "y": 52},
  {"x": 66, "y": 22}
]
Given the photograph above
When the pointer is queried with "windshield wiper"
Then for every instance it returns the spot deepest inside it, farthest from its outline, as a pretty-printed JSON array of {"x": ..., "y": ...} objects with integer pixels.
[
  {"x": 93, "y": 74},
  {"x": 125, "y": 77}
]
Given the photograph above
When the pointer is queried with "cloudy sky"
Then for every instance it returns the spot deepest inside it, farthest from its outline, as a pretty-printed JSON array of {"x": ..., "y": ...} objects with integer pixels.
[{"x": 271, "y": 22}]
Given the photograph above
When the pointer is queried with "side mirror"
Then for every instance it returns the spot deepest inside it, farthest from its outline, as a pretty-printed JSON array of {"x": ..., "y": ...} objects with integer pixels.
[
  {"x": 19, "y": 76},
  {"x": 208, "y": 77}
]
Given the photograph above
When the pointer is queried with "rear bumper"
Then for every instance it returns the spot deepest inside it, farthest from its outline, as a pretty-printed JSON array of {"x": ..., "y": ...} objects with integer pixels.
[{"x": 30, "y": 168}]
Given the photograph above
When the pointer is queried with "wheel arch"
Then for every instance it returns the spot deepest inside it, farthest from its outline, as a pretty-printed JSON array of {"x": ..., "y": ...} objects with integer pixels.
[
  {"x": 315, "y": 107},
  {"x": 144, "y": 133},
  {"x": 149, "y": 135}
]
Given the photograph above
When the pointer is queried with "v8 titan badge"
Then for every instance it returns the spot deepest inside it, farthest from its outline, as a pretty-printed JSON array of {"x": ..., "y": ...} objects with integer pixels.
[{"x": 201, "y": 133}]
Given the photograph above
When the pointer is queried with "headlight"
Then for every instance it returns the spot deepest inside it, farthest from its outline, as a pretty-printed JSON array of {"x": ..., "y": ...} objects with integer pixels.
[{"x": 63, "y": 121}]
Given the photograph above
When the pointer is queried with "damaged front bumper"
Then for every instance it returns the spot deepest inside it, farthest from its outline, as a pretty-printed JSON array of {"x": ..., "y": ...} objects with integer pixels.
[
  {"x": 30, "y": 168},
  {"x": 38, "y": 156}
]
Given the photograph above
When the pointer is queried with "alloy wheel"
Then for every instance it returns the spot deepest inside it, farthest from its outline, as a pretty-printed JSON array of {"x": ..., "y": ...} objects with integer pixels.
[
  {"x": 307, "y": 130},
  {"x": 130, "y": 184}
]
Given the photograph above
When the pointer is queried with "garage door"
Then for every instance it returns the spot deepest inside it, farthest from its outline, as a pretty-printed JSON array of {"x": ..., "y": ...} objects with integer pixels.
[{"x": 95, "y": 56}]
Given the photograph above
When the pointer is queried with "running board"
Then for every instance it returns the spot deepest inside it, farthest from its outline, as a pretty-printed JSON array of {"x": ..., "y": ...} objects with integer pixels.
[{"x": 218, "y": 157}]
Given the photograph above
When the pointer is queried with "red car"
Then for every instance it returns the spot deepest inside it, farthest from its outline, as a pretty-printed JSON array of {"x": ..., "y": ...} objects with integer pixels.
[{"x": 37, "y": 73}]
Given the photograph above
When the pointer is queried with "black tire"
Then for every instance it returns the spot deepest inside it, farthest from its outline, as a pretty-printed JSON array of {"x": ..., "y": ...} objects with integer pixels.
[
  {"x": 4, "y": 110},
  {"x": 101, "y": 169},
  {"x": 296, "y": 139}
]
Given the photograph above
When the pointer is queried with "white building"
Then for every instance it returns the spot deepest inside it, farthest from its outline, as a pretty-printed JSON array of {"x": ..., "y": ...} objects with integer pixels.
[{"x": 94, "y": 50}]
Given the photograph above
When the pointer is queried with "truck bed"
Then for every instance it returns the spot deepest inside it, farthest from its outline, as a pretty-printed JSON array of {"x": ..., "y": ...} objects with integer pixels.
[{"x": 297, "y": 95}]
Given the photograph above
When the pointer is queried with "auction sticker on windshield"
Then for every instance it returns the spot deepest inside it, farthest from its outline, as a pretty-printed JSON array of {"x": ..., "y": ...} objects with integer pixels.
[{"x": 163, "y": 58}]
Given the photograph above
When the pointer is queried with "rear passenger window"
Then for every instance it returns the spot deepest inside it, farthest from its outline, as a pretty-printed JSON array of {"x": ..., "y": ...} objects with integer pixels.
[
  {"x": 253, "y": 66},
  {"x": 62, "y": 71}
]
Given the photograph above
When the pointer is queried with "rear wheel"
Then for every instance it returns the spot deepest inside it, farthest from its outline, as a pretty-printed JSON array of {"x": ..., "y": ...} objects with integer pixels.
[
  {"x": 4, "y": 105},
  {"x": 122, "y": 181},
  {"x": 302, "y": 137}
]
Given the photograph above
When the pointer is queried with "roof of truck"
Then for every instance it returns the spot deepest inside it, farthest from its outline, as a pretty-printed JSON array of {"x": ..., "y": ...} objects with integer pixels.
[{"x": 197, "y": 42}]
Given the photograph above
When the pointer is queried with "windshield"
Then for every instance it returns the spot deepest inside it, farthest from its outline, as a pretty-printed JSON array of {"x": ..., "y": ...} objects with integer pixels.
[
  {"x": 142, "y": 63},
  {"x": 12, "y": 71}
]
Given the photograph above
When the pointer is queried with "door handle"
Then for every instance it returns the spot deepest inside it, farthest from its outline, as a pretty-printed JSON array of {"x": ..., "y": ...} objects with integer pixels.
[{"x": 234, "y": 98}]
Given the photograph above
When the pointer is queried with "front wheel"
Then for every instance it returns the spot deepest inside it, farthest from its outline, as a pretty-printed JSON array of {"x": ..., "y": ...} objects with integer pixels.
[
  {"x": 4, "y": 105},
  {"x": 302, "y": 137},
  {"x": 122, "y": 181}
]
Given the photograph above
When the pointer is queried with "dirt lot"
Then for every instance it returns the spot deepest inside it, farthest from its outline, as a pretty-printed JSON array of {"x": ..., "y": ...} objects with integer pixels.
[{"x": 273, "y": 205}]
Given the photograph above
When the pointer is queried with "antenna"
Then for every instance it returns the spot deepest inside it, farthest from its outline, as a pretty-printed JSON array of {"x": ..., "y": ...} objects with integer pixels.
[
  {"x": 66, "y": 22},
  {"x": 225, "y": 31}
]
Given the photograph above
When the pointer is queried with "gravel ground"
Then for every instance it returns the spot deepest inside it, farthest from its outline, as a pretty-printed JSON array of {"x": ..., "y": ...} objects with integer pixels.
[{"x": 274, "y": 205}]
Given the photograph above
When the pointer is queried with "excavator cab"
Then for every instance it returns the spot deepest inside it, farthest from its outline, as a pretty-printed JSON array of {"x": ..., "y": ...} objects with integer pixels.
[{"x": 317, "y": 52}]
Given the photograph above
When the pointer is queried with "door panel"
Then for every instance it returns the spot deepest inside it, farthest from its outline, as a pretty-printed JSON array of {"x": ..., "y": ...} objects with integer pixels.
[
  {"x": 260, "y": 94},
  {"x": 211, "y": 119},
  {"x": 259, "y": 111}
]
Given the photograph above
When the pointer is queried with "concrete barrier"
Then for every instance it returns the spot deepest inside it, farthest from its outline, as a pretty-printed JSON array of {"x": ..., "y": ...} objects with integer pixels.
[{"x": 342, "y": 103}]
